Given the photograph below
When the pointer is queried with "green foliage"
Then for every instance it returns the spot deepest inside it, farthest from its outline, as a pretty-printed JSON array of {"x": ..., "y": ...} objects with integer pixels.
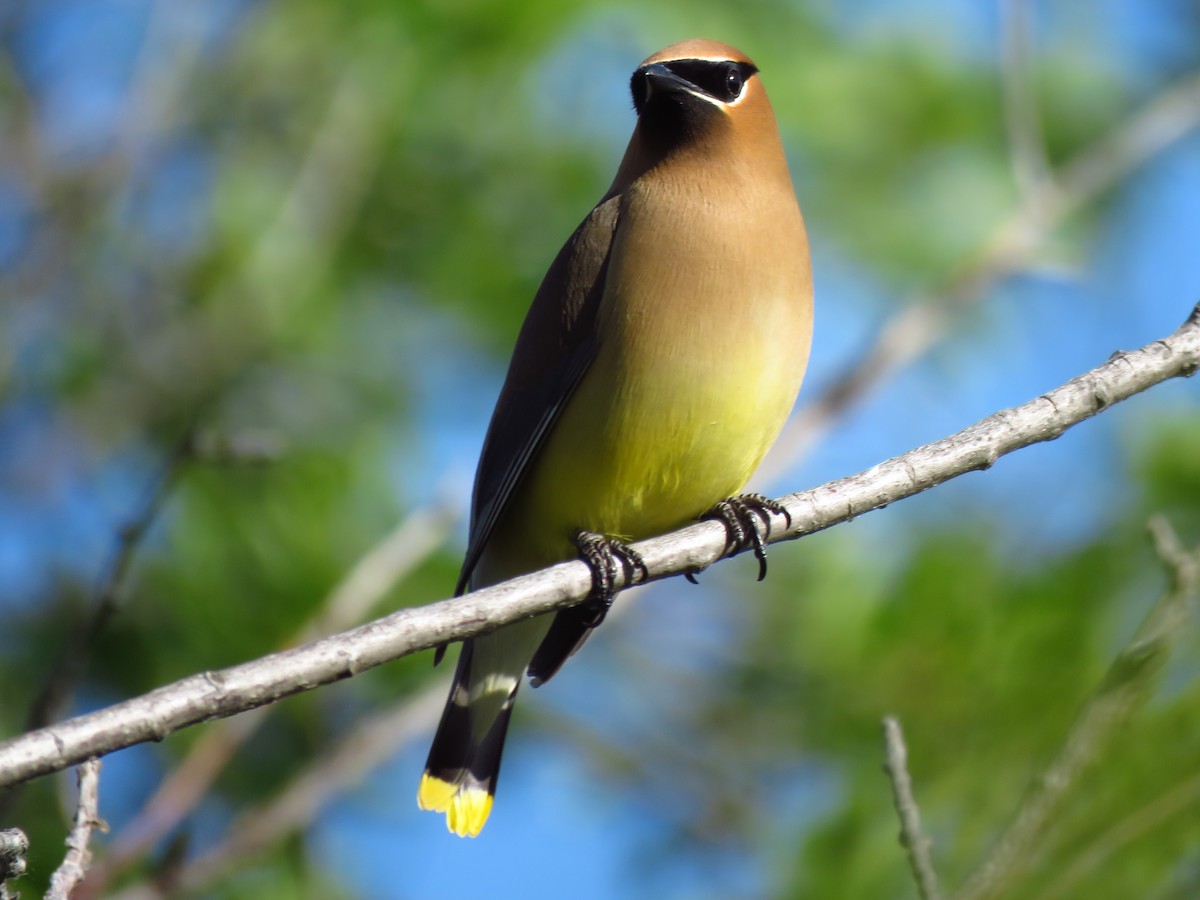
[{"x": 375, "y": 172}]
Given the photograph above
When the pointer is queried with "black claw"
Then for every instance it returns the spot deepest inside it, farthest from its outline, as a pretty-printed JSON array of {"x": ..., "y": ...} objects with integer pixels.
[
  {"x": 438, "y": 653},
  {"x": 760, "y": 550},
  {"x": 603, "y": 555},
  {"x": 740, "y": 516},
  {"x": 733, "y": 516},
  {"x": 691, "y": 576},
  {"x": 571, "y": 627}
]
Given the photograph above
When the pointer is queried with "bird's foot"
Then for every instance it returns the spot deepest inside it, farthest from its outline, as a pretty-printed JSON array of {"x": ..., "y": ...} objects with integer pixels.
[
  {"x": 603, "y": 556},
  {"x": 572, "y": 626},
  {"x": 741, "y": 515}
]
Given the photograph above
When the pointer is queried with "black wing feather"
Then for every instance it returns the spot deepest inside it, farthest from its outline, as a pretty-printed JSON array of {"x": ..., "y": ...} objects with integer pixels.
[{"x": 555, "y": 348}]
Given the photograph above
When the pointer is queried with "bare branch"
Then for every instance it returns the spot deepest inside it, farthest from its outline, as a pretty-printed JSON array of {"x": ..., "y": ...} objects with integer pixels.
[
  {"x": 388, "y": 562},
  {"x": 1170, "y": 116},
  {"x": 298, "y": 804},
  {"x": 13, "y": 847},
  {"x": 1177, "y": 800},
  {"x": 370, "y": 743},
  {"x": 107, "y": 597},
  {"x": 911, "y": 838},
  {"x": 909, "y": 333},
  {"x": 87, "y": 817},
  {"x": 397, "y": 554},
  {"x": 1119, "y": 695},
  {"x": 210, "y": 695},
  {"x": 175, "y": 798},
  {"x": 1031, "y": 168}
]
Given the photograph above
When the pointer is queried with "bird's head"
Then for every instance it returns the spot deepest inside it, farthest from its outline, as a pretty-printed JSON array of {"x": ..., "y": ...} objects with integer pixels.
[{"x": 698, "y": 95}]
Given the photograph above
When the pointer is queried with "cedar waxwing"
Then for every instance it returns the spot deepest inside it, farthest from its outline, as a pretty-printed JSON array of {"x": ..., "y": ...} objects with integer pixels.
[{"x": 656, "y": 366}]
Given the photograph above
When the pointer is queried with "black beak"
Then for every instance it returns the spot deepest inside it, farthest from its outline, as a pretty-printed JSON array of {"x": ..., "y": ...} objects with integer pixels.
[{"x": 661, "y": 79}]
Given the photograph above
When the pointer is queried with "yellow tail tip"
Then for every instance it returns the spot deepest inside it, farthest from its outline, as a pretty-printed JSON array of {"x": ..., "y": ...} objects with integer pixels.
[
  {"x": 435, "y": 794},
  {"x": 466, "y": 808},
  {"x": 468, "y": 812}
]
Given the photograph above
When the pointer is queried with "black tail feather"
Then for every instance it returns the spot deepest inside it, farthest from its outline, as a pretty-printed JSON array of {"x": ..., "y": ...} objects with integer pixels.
[{"x": 455, "y": 757}]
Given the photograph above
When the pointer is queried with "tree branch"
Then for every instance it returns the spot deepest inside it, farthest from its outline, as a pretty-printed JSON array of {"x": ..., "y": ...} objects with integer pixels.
[
  {"x": 895, "y": 766},
  {"x": 384, "y": 566},
  {"x": 107, "y": 597},
  {"x": 907, "y": 334},
  {"x": 1026, "y": 143},
  {"x": 299, "y": 802},
  {"x": 1177, "y": 800},
  {"x": 13, "y": 847},
  {"x": 87, "y": 817},
  {"x": 1118, "y": 696},
  {"x": 215, "y": 694}
]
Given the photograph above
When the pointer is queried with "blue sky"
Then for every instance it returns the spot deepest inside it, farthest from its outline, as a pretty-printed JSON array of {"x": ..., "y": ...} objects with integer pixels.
[{"x": 553, "y": 826}]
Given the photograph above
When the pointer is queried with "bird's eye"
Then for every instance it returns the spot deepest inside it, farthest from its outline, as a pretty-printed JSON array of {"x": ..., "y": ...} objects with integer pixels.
[
  {"x": 721, "y": 79},
  {"x": 733, "y": 84}
]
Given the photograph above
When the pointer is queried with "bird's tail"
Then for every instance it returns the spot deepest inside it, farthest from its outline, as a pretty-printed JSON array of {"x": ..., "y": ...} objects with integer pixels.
[{"x": 464, "y": 761}]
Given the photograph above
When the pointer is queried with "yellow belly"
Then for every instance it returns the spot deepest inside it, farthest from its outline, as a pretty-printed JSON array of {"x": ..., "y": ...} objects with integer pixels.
[{"x": 647, "y": 444}]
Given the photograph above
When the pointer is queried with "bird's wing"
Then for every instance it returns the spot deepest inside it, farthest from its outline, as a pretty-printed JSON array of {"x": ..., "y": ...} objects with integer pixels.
[{"x": 556, "y": 346}]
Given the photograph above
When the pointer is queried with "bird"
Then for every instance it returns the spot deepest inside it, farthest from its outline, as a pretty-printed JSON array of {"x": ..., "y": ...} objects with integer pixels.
[{"x": 658, "y": 362}]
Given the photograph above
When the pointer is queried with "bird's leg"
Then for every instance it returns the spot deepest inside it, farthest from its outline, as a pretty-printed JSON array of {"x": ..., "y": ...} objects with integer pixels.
[
  {"x": 603, "y": 555},
  {"x": 572, "y": 626},
  {"x": 740, "y": 516}
]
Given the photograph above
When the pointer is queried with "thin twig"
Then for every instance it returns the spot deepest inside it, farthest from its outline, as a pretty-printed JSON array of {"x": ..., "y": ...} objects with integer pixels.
[
  {"x": 56, "y": 690},
  {"x": 13, "y": 847},
  {"x": 87, "y": 818},
  {"x": 209, "y": 695},
  {"x": 1119, "y": 695},
  {"x": 911, "y": 837},
  {"x": 391, "y": 560},
  {"x": 106, "y": 599},
  {"x": 909, "y": 333},
  {"x": 212, "y": 343},
  {"x": 372, "y": 742},
  {"x": 107, "y": 596},
  {"x": 1027, "y": 146},
  {"x": 387, "y": 563},
  {"x": 1178, "y": 799}
]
